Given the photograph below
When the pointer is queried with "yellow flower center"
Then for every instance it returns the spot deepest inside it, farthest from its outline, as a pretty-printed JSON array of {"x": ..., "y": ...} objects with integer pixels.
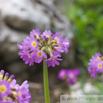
[
  {"x": 2, "y": 89},
  {"x": 52, "y": 58},
  {"x": 57, "y": 40},
  {"x": 100, "y": 65},
  {"x": 19, "y": 94},
  {"x": 34, "y": 43},
  {"x": 39, "y": 54},
  {"x": 71, "y": 75}
]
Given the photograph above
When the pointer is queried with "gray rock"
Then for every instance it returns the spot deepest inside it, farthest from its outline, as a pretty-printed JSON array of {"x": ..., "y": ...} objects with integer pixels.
[
  {"x": 8, "y": 43},
  {"x": 18, "y": 17},
  {"x": 60, "y": 4},
  {"x": 88, "y": 88},
  {"x": 24, "y": 15},
  {"x": 17, "y": 67},
  {"x": 22, "y": 77}
]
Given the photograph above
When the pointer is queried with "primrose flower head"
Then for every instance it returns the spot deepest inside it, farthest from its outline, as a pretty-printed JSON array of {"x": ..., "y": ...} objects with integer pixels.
[
  {"x": 96, "y": 65},
  {"x": 62, "y": 74},
  {"x": 9, "y": 90},
  {"x": 38, "y": 46},
  {"x": 69, "y": 75}
]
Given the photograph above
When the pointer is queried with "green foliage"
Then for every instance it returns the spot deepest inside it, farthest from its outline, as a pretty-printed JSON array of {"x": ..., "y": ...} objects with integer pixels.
[
  {"x": 90, "y": 2},
  {"x": 87, "y": 25}
]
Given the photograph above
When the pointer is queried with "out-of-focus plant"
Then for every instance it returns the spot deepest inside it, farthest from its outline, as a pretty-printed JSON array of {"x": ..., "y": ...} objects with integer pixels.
[
  {"x": 96, "y": 65},
  {"x": 87, "y": 25},
  {"x": 95, "y": 68},
  {"x": 70, "y": 76}
]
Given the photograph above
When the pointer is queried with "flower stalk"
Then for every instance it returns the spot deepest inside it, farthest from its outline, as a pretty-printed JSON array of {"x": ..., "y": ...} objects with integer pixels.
[
  {"x": 46, "y": 86},
  {"x": 69, "y": 90}
]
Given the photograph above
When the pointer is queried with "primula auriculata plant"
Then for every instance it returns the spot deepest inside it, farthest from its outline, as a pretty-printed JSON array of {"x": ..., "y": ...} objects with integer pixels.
[
  {"x": 70, "y": 76},
  {"x": 96, "y": 65},
  {"x": 46, "y": 47},
  {"x": 10, "y": 92}
]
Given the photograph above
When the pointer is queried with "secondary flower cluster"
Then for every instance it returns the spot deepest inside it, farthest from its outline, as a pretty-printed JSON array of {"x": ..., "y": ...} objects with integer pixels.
[
  {"x": 69, "y": 75},
  {"x": 96, "y": 65},
  {"x": 10, "y": 92},
  {"x": 38, "y": 46}
]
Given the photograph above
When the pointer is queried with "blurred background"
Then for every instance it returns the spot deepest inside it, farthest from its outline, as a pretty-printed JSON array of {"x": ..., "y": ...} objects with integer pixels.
[{"x": 81, "y": 21}]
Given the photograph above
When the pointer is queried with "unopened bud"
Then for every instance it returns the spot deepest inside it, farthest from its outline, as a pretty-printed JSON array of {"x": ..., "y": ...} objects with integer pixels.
[
  {"x": 11, "y": 78},
  {"x": 1, "y": 75},
  {"x": 6, "y": 76}
]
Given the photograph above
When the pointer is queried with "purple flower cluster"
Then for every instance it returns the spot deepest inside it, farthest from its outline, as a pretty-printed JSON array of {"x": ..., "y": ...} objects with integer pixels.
[
  {"x": 38, "y": 46},
  {"x": 10, "y": 92},
  {"x": 69, "y": 75},
  {"x": 96, "y": 65}
]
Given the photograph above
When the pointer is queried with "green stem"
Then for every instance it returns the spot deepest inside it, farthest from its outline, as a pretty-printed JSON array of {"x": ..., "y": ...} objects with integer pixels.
[
  {"x": 69, "y": 90},
  {"x": 46, "y": 86}
]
